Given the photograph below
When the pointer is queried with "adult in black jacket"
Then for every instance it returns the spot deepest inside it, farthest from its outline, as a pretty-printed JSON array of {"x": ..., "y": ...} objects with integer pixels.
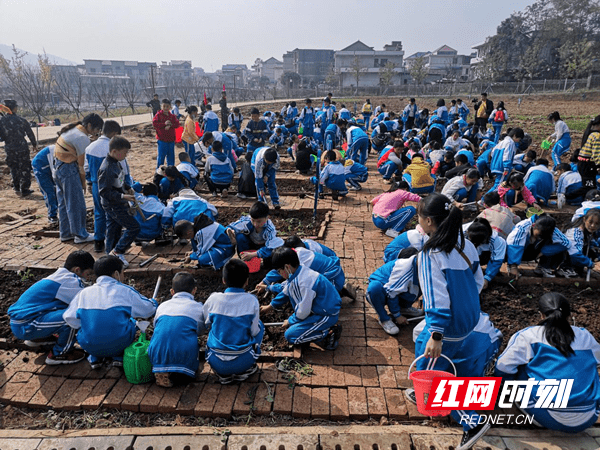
[
  {"x": 483, "y": 109},
  {"x": 154, "y": 104}
]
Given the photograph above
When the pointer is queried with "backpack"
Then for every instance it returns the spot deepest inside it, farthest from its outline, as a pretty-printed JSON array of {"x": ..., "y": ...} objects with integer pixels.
[
  {"x": 246, "y": 182},
  {"x": 499, "y": 117}
]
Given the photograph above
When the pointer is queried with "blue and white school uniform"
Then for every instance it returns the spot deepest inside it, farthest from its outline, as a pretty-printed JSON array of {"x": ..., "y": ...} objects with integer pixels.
[
  {"x": 332, "y": 136},
  {"x": 411, "y": 238},
  {"x": 529, "y": 355},
  {"x": 315, "y": 302},
  {"x": 562, "y": 134},
  {"x": 187, "y": 206},
  {"x": 576, "y": 249},
  {"x": 150, "y": 205},
  {"x": 212, "y": 247},
  {"x": 328, "y": 266},
  {"x": 228, "y": 147},
  {"x": 262, "y": 169},
  {"x": 105, "y": 316},
  {"x": 497, "y": 125},
  {"x": 395, "y": 285},
  {"x": 442, "y": 113},
  {"x": 358, "y": 144},
  {"x": 174, "y": 346},
  {"x": 519, "y": 239},
  {"x": 291, "y": 113},
  {"x": 235, "y": 119},
  {"x": 463, "y": 110},
  {"x": 307, "y": 120},
  {"x": 249, "y": 239},
  {"x": 43, "y": 171},
  {"x": 570, "y": 184},
  {"x": 345, "y": 114},
  {"x": 451, "y": 287},
  {"x": 236, "y": 332},
  {"x": 219, "y": 168},
  {"x": 456, "y": 189},
  {"x": 491, "y": 253},
  {"x": 540, "y": 182},
  {"x": 469, "y": 154},
  {"x": 326, "y": 119},
  {"x": 317, "y": 247},
  {"x": 190, "y": 172},
  {"x": 277, "y": 140},
  {"x": 211, "y": 121},
  {"x": 333, "y": 176},
  {"x": 355, "y": 173},
  {"x": 520, "y": 165},
  {"x": 585, "y": 207},
  {"x": 502, "y": 160},
  {"x": 39, "y": 311}
]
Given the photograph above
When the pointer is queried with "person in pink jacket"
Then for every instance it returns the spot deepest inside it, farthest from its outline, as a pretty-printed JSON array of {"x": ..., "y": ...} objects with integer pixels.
[{"x": 389, "y": 214}]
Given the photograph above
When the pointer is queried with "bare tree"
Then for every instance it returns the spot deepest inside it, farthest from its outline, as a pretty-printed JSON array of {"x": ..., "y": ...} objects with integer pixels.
[
  {"x": 31, "y": 83},
  {"x": 168, "y": 85},
  {"x": 131, "y": 92},
  {"x": 69, "y": 85},
  {"x": 419, "y": 70},
  {"x": 357, "y": 70},
  {"x": 386, "y": 75},
  {"x": 104, "y": 90},
  {"x": 184, "y": 89}
]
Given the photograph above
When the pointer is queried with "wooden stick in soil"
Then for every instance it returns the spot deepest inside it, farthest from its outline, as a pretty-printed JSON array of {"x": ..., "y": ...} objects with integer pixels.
[
  {"x": 157, "y": 287},
  {"x": 149, "y": 260},
  {"x": 414, "y": 319},
  {"x": 273, "y": 324}
]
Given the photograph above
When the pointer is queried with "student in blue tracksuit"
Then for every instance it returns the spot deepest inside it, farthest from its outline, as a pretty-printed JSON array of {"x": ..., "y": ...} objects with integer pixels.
[
  {"x": 379, "y": 137},
  {"x": 583, "y": 236},
  {"x": 307, "y": 119},
  {"x": 503, "y": 155},
  {"x": 235, "y": 118},
  {"x": 333, "y": 135},
  {"x": 314, "y": 299},
  {"x": 265, "y": 164},
  {"x": 462, "y": 109},
  {"x": 484, "y": 159},
  {"x": 442, "y": 111},
  {"x": 344, "y": 113},
  {"x": 498, "y": 118},
  {"x": 537, "y": 236},
  {"x": 450, "y": 277},
  {"x": 524, "y": 161},
  {"x": 491, "y": 248},
  {"x": 358, "y": 144},
  {"x": 390, "y": 163},
  {"x": 569, "y": 184},
  {"x": 211, "y": 246},
  {"x": 43, "y": 168},
  {"x": 591, "y": 201},
  {"x": 540, "y": 181},
  {"x": 355, "y": 173},
  {"x": 210, "y": 121},
  {"x": 395, "y": 285},
  {"x": 561, "y": 137},
  {"x": 218, "y": 171},
  {"x": 415, "y": 238},
  {"x": 188, "y": 170},
  {"x": 256, "y": 132},
  {"x": 317, "y": 247},
  {"x": 178, "y": 322},
  {"x": 95, "y": 153},
  {"x": 186, "y": 206},
  {"x": 173, "y": 182},
  {"x": 332, "y": 176},
  {"x": 38, "y": 314},
  {"x": 326, "y": 117},
  {"x": 104, "y": 314},
  {"x": 277, "y": 139},
  {"x": 227, "y": 145},
  {"x": 436, "y": 132},
  {"x": 235, "y": 329},
  {"x": 463, "y": 187},
  {"x": 556, "y": 350},
  {"x": 291, "y": 112},
  {"x": 150, "y": 205},
  {"x": 254, "y": 234}
]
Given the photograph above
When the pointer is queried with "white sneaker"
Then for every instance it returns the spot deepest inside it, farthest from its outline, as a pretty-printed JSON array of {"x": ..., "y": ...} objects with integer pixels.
[
  {"x": 224, "y": 193},
  {"x": 122, "y": 258},
  {"x": 412, "y": 312},
  {"x": 79, "y": 240},
  {"x": 390, "y": 327},
  {"x": 238, "y": 195},
  {"x": 354, "y": 188},
  {"x": 391, "y": 233}
]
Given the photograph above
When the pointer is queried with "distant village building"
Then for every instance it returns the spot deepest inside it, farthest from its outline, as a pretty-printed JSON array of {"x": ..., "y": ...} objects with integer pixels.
[
  {"x": 133, "y": 69},
  {"x": 272, "y": 68},
  {"x": 234, "y": 75},
  {"x": 443, "y": 63},
  {"x": 313, "y": 65},
  {"x": 176, "y": 69},
  {"x": 360, "y": 57}
]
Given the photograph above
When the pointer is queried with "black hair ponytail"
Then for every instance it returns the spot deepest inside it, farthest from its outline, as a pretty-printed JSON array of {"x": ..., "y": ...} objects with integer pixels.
[
  {"x": 594, "y": 122},
  {"x": 447, "y": 218},
  {"x": 557, "y": 330}
]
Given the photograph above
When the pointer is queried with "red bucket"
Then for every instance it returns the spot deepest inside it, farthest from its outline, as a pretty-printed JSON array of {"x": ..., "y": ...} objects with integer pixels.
[
  {"x": 253, "y": 264},
  {"x": 422, "y": 382}
]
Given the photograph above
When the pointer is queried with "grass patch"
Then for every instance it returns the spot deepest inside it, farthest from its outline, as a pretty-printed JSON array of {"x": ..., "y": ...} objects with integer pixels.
[{"x": 578, "y": 123}]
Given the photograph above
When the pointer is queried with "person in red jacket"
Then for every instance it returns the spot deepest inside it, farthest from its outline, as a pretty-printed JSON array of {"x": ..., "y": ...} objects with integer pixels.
[{"x": 165, "y": 123}]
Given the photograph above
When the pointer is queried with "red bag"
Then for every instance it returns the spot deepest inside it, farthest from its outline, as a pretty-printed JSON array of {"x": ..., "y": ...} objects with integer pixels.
[{"x": 499, "y": 117}]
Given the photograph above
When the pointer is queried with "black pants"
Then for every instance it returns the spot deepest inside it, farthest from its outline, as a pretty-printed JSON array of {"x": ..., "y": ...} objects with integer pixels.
[
  {"x": 548, "y": 262},
  {"x": 19, "y": 163},
  {"x": 481, "y": 123},
  {"x": 410, "y": 122},
  {"x": 215, "y": 187}
]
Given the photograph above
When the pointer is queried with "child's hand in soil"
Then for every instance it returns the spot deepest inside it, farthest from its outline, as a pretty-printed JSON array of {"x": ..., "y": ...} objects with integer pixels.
[
  {"x": 260, "y": 288},
  {"x": 402, "y": 320},
  {"x": 485, "y": 284},
  {"x": 231, "y": 234},
  {"x": 285, "y": 324},
  {"x": 188, "y": 258},
  {"x": 248, "y": 256},
  {"x": 265, "y": 309}
]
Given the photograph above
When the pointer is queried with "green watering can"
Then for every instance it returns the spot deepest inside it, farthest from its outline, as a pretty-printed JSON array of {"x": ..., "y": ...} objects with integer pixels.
[{"x": 136, "y": 362}]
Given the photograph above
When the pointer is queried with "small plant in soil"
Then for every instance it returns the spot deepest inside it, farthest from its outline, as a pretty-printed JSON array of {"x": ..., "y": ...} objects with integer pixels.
[{"x": 295, "y": 370}]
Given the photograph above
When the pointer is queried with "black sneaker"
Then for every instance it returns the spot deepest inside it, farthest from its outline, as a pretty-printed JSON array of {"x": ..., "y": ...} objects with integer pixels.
[
  {"x": 72, "y": 357},
  {"x": 98, "y": 246},
  {"x": 26, "y": 192},
  {"x": 411, "y": 396},
  {"x": 321, "y": 196},
  {"x": 335, "y": 195},
  {"x": 472, "y": 436},
  {"x": 333, "y": 339},
  {"x": 52, "y": 220}
]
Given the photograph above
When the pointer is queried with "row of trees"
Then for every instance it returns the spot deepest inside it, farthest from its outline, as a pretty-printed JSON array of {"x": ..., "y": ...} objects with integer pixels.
[{"x": 550, "y": 39}]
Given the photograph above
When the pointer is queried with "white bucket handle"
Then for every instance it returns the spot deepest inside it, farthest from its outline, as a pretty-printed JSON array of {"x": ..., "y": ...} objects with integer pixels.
[{"x": 431, "y": 364}]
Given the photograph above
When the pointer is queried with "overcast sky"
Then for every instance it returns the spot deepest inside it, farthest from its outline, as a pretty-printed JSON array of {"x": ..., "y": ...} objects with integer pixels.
[{"x": 216, "y": 32}]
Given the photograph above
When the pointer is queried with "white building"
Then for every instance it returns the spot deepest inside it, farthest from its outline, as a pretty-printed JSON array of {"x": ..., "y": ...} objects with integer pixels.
[{"x": 443, "y": 63}]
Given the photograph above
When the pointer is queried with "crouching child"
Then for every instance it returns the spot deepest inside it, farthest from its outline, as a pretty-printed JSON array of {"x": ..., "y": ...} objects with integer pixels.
[
  {"x": 236, "y": 331},
  {"x": 104, "y": 314},
  {"x": 174, "y": 348},
  {"x": 314, "y": 299},
  {"x": 210, "y": 244}
]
